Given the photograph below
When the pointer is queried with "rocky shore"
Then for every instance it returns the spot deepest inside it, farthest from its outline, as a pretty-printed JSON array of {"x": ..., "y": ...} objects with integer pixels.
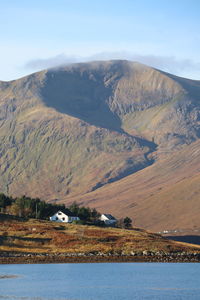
[{"x": 94, "y": 257}]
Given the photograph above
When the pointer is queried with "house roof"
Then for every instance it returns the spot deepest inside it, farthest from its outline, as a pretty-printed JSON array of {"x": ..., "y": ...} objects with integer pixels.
[
  {"x": 66, "y": 211},
  {"x": 109, "y": 216}
]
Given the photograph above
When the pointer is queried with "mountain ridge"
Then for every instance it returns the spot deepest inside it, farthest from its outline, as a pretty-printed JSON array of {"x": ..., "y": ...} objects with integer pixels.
[{"x": 68, "y": 131}]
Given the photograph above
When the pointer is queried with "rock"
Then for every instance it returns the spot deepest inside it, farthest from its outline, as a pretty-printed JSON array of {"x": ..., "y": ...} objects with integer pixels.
[{"x": 145, "y": 252}]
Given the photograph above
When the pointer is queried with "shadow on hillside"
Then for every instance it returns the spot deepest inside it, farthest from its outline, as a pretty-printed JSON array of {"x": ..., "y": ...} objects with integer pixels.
[
  {"x": 128, "y": 171},
  {"x": 80, "y": 95},
  {"x": 191, "y": 239},
  {"x": 132, "y": 168},
  {"x": 84, "y": 96},
  {"x": 10, "y": 239}
]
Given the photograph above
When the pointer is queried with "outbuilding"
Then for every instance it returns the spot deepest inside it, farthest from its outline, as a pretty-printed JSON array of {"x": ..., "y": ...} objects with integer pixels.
[{"x": 108, "y": 219}]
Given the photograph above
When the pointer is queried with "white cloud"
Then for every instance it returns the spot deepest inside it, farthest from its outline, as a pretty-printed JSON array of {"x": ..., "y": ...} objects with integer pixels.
[
  {"x": 45, "y": 63},
  {"x": 181, "y": 67}
]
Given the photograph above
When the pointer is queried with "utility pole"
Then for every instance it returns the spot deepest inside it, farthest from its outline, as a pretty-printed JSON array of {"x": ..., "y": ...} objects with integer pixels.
[{"x": 36, "y": 211}]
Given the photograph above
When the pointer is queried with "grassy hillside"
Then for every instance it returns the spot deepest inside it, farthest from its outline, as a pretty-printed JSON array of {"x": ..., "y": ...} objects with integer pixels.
[
  {"x": 164, "y": 196},
  {"x": 47, "y": 237}
]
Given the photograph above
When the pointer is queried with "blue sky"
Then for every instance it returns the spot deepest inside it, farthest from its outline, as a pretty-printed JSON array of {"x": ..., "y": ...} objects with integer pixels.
[{"x": 40, "y": 34}]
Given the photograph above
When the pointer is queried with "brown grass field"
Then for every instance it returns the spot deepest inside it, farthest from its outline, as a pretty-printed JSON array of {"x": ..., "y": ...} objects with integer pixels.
[{"x": 34, "y": 236}]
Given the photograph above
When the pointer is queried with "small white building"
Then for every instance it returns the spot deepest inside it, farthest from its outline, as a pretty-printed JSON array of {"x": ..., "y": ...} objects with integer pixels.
[
  {"x": 65, "y": 218},
  {"x": 108, "y": 219}
]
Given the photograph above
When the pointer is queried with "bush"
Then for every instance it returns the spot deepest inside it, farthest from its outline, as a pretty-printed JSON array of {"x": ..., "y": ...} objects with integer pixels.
[
  {"x": 80, "y": 222},
  {"x": 127, "y": 222}
]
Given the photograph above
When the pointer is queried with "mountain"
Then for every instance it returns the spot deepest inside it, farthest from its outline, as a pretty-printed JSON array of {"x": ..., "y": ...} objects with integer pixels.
[{"x": 117, "y": 135}]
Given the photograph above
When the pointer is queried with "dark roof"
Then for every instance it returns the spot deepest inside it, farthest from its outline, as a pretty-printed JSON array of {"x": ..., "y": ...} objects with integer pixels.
[
  {"x": 67, "y": 212},
  {"x": 110, "y": 217}
]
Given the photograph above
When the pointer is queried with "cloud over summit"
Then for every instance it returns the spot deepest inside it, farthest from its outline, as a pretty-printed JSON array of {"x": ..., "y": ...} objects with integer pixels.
[{"x": 166, "y": 63}]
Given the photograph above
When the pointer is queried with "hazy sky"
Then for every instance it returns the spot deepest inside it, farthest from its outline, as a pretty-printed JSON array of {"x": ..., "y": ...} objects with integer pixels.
[{"x": 37, "y": 34}]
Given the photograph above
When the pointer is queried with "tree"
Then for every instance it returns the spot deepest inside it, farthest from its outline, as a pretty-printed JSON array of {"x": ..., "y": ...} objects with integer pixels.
[
  {"x": 19, "y": 206},
  {"x": 127, "y": 222},
  {"x": 4, "y": 201},
  {"x": 95, "y": 215},
  {"x": 74, "y": 208},
  {"x": 84, "y": 213}
]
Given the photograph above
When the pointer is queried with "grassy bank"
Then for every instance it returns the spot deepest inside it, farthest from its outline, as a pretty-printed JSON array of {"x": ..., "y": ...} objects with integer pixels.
[{"x": 42, "y": 241}]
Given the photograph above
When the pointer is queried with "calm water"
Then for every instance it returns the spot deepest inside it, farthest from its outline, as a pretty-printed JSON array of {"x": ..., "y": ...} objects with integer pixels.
[{"x": 108, "y": 281}]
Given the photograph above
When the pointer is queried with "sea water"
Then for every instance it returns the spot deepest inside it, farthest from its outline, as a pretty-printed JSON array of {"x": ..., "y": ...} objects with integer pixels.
[{"x": 99, "y": 281}]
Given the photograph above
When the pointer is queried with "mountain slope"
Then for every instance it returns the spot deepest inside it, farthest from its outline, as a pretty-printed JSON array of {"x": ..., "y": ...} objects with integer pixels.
[
  {"x": 48, "y": 152},
  {"x": 67, "y": 132},
  {"x": 164, "y": 196}
]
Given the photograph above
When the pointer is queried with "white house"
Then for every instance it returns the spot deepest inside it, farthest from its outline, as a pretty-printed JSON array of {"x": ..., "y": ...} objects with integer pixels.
[
  {"x": 65, "y": 218},
  {"x": 108, "y": 219}
]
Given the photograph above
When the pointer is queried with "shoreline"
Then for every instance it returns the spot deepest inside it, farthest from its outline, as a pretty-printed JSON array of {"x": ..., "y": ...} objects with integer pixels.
[
  {"x": 16, "y": 258},
  {"x": 34, "y": 241}
]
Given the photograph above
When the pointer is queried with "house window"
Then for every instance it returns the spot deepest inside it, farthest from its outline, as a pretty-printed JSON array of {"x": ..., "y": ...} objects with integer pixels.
[
  {"x": 63, "y": 219},
  {"x": 59, "y": 213},
  {"x": 56, "y": 218}
]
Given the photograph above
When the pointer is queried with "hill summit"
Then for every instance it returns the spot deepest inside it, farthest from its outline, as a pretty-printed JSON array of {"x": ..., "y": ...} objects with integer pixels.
[{"x": 71, "y": 133}]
